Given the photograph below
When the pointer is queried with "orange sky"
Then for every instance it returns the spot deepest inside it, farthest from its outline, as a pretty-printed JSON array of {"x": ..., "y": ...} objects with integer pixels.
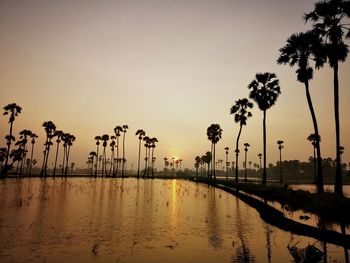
[{"x": 169, "y": 67}]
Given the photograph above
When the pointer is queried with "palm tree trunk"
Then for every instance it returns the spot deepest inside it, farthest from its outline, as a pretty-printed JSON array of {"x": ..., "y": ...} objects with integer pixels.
[
  {"x": 144, "y": 172},
  {"x": 212, "y": 165},
  {"x": 138, "y": 162},
  {"x": 264, "y": 145},
  {"x": 214, "y": 161},
  {"x": 31, "y": 160},
  {"x": 152, "y": 163},
  {"x": 338, "y": 186},
  {"x": 8, "y": 149},
  {"x": 237, "y": 153},
  {"x": 226, "y": 166},
  {"x": 97, "y": 148},
  {"x": 67, "y": 158},
  {"x": 245, "y": 166},
  {"x": 281, "y": 180},
  {"x": 23, "y": 160},
  {"x": 117, "y": 169},
  {"x": 315, "y": 165},
  {"x": 44, "y": 159},
  {"x": 54, "y": 167},
  {"x": 123, "y": 163},
  {"x": 64, "y": 160},
  {"x": 318, "y": 147}
]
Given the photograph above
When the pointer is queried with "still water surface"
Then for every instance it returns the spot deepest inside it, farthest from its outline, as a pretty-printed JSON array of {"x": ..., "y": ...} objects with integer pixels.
[{"x": 129, "y": 220}]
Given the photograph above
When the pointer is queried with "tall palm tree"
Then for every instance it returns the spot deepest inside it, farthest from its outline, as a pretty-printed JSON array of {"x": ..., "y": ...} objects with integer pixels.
[
  {"x": 227, "y": 162},
  {"x": 33, "y": 136},
  {"x": 112, "y": 145},
  {"x": 265, "y": 90},
  {"x": 301, "y": 49},
  {"x": 152, "y": 146},
  {"x": 92, "y": 155},
  {"x": 214, "y": 133},
  {"x": 328, "y": 17},
  {"x": 241, "y": 112},
  {"x": 146, "y": 139},
  {"x": 140, "y": 134},
  {"x": 98, "y": 139},
  {"x": 117, "y": 131},
  {"x": 24, "y": 134},
  {"x": 13, "y": 110},
  {"x": 280, "y": 147},
  {"x": 69, "y": 139},
  {"x": 260, "y": 156},
  {"x": 50, "y": 129},
  {"x": 105, "y": 139},
  {"x": 58, "y": 135},
  {"x": 246, "y": 145},
  {"x": 125, "y": 127},
  {"x": 313, "y": 138}
]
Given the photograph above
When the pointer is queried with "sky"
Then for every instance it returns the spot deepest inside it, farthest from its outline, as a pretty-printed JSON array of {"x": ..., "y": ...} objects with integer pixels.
[{"x": 169, "y": 67}]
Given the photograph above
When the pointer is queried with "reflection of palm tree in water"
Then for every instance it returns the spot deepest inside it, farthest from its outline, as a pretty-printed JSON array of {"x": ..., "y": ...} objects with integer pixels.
[
  {"x": 243, "y": 251},
  {"x": 268, "y": 243},
  {"x": 215, "y": 239}
]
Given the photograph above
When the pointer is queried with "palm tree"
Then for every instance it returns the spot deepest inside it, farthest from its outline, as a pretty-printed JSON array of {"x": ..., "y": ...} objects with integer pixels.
[
  {"x": 260, "y": 155},
  {"x": 197, "y": 161},
  {"x": 152, "y": 146},
  {"x": 328, "y": 17},
  {"x": 2, "y": 157},
  {"x": 140, "y": 134},
  {"x": 98, "y": 139},
  {"x": 50, "y": 129},
  {"x": 227, "y": 162},
  {"x": 125, "y": 127},
  {"x": 92, "y": 157},
  {"x": 33, "y": 136},
  {"x": 214, "y": 133},
  {"x": 117, "y": 131},
  {"x": 264, "y": 91},
  {"x": 69, "y": 139},
  {"x": 104, "y": 138},
  {"x": 58, "y": 134},
  {"x": 207, "y": 158},
  {"x": 112, "y": 145},
  {"x": 24, "y": 134},
  {"x": 13, "y": 110},
  {"x": 146, "y": 139},
  {"x": 246, "y": 145},
  {"x": 313, "y": 138},
  {"x": 241, "y": 112},
  {"x": 300, "y": 49},
  {"x": 280, "y": 147}
]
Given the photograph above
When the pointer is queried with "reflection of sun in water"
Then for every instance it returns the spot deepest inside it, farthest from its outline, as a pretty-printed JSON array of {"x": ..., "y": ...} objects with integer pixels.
[{"x": 173, "y": 203}]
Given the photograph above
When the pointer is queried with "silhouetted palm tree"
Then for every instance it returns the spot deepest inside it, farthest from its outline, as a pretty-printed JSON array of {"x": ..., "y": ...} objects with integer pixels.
[
  {"x": 280, "y": 147},
  {"x": 68, "y": 142},
  {"x": 50, "y": 129},
  {"x": 13, "y": 110},
  {"x": 241, "y": 112},
  {"x": 33, "y": 136},
  {"x": 214, "y": 133},
  {"x": 197, "y": 161},
  {"x": 2, "y": 157},
  {"x": 328, "y": 17},
  {"x": 152, "y": 146},
  {"x": 125, "y": 127},
  {"x": 313, "y": 138},
  {"x": 227, "y": 162},
  {"x": 117, "y": 131},
  {"x": 300, "y": 49},
  {"x": 92, "y": 157},
  {"x": 264, "y": 91},
  {"x": 58, "y": 134},
  {"x": 140, "y": 134},
  {"x": 98, "y": 139},
  {"x": 104, "y": 138},
  {"x": 246, "y": 145},
  {"x": 207, "y": 158},
  {"x": 112, "y": 145},
  {"x": 146, "y": 139},
  {"x": 24, "y": 134}
]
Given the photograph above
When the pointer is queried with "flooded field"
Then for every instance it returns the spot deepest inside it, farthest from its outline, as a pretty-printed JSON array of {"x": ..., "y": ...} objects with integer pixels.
[{"x": 129, "y": 220}]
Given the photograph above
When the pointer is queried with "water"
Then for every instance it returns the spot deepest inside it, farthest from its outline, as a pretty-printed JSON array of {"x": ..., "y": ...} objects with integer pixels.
[
  {"x": 126, "y": 220},
  {"x": 327, "y": 187}
]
